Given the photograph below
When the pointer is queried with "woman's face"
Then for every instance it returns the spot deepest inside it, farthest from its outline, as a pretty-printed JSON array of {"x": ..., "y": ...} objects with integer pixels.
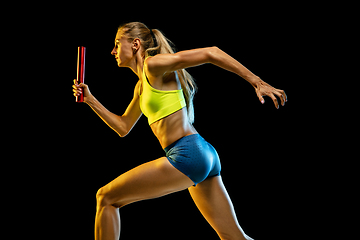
[{"x": 122, "y": 51}]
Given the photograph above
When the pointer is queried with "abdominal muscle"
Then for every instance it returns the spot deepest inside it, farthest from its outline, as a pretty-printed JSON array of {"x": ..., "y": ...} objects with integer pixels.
[{"x": 173, "y": 127}]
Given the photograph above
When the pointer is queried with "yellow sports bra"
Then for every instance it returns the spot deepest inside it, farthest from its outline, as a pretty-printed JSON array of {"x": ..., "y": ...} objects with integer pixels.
[{"x": 157, "y": 104}]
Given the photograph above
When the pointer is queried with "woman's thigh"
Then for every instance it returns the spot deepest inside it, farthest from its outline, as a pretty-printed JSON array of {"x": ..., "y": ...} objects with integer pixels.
[
  {"x": 149, "y": 180},
  {"x": 213, "y": 201}
]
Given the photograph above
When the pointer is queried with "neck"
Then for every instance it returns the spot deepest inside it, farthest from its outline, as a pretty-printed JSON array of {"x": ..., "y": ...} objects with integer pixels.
[{"x": 137, "y": 64}]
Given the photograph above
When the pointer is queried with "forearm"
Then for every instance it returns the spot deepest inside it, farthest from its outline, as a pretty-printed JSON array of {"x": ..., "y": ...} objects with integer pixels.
[
  {"x": 225, "y": 61},
  {"x": 114, "y": 121}
]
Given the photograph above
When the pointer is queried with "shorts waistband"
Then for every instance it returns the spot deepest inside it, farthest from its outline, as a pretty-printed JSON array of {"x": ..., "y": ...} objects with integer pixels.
[{"x": 183, "y": 138}]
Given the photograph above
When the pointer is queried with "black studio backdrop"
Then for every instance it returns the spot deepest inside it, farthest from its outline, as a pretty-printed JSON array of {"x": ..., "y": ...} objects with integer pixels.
[{"x": 253, "y": 140}]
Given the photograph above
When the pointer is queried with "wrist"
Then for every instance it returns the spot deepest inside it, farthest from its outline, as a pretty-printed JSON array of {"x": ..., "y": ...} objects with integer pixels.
[
  {"x": 254, "y": 80},
  {"x": 89, "y": 100}
]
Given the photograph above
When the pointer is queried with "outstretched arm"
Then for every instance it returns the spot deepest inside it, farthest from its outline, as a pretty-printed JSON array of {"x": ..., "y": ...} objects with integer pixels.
[{"x": 162, "y": 63}]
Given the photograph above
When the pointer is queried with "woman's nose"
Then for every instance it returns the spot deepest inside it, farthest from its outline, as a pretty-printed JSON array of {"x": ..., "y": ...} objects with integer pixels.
[{"x": 113, "y": 52}]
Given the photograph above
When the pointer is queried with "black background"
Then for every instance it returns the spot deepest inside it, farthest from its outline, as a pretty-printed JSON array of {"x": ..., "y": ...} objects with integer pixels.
[{"x": 262, "y": 160}]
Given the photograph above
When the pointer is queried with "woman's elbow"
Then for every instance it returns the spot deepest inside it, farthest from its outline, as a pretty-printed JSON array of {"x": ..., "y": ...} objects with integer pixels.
[
  {"x": 122, "y": 132},
  {"x": 213, "y": 53}
]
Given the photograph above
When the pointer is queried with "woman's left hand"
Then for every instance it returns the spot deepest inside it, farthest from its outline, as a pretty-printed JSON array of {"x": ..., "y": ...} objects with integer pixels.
[{"x": 264, "y": 89}]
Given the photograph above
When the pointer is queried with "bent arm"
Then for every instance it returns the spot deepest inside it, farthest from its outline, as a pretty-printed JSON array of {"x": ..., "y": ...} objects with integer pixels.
[
  {"x": 122, "y": 125},
  {"x": 162, "y": 63}
]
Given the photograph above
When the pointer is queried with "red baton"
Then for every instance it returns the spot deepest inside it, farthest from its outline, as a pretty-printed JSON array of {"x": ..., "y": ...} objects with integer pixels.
[{"x": 81, "y": 71}]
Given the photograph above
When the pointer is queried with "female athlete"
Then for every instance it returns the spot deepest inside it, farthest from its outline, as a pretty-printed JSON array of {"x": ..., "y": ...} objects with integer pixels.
[{"x": 164, "y": 94}]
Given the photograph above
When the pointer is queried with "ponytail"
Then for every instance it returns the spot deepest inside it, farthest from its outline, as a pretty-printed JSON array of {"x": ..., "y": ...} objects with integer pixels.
[{"x": 161, "y": 45}]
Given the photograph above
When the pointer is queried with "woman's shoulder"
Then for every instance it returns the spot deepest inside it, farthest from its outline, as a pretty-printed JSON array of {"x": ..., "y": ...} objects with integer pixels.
[
  {"x": 158, "y": 65},
  {"x": 137, "y": 88}
]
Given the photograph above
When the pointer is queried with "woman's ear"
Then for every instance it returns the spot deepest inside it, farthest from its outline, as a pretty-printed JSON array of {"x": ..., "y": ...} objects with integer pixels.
[{"x": 136, "y": 44}]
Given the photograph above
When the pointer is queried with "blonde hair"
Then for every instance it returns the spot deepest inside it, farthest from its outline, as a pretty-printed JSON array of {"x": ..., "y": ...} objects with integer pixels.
[{"x": 139, "y": 30}]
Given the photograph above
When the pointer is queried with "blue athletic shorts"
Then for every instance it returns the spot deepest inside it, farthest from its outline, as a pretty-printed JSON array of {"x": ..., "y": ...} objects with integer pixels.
[{"x": 194, "y": 157}]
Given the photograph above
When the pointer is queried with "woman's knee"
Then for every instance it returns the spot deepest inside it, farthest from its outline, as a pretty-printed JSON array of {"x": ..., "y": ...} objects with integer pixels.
[{"x": 102, "y": 198}]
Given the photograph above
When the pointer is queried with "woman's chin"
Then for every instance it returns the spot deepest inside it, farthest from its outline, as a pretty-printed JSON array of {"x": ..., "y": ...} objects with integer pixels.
[{"x": 120, "y": 64}]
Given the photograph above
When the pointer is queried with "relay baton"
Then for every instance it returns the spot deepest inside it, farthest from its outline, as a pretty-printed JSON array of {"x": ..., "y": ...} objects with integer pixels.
[{"x": 81, "y": 71}]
